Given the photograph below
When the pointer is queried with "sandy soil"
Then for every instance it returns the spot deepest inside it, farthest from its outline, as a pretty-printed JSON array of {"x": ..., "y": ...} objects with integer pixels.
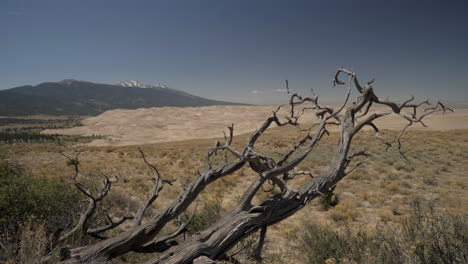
[{"x": 151, "y": 125}]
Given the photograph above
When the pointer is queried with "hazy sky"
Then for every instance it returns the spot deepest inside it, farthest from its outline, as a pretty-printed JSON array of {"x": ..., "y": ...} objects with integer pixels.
[{"x": 240, "y": 50}]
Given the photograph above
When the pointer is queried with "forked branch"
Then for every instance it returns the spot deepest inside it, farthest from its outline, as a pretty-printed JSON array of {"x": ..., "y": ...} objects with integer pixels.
[{"x": 248, "y": 217}]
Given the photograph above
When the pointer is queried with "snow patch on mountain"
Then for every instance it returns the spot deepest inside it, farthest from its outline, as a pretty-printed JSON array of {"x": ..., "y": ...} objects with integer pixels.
[{"x": 141, "y": 85}]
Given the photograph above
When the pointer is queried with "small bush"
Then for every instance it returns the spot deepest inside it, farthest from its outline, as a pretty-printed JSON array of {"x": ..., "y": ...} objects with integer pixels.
[
  {"x": 425, "y": 236},
  {"x": 385, "y": 215},
  {"x": 393, "y": 187},
  {"x": 30, "y": 210},
  {"x": 203, "y": 218},
  {"x": 73, "y": 162},
  {"x": 396, "y": 209},
  {"x": 344, "y": 211},
  {"x": 329, "y": 199},
  {"x": 430, "y": 180},
  {"x": 23, "y": 197}
]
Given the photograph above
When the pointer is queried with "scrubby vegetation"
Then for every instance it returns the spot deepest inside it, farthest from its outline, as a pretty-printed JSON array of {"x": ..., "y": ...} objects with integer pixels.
[
  {"x": 426, "y": 235},
  {"x": 376, "y": 209},
  {"x": 47, "y": 122},
  {"x": 212, "y": 210},
  {"x": 28, "y": 130},
  {"x": 329, "y": 199},
  {"x": 31, "y": 207},
  {"x": 35, "y": 137},
  {"x": 26, "y": 137},
  {"x": 23, "y": 124}
]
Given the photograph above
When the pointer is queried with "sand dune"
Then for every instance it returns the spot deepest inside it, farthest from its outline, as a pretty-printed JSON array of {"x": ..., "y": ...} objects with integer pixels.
[{"x": 151, "y": 125}]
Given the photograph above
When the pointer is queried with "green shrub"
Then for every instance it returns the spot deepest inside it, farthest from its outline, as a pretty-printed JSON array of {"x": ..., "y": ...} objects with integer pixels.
[
  {"x": 31, "y": 211},
  {"x": 329, "y": 199},
  {"x": 23, "y": 198}
]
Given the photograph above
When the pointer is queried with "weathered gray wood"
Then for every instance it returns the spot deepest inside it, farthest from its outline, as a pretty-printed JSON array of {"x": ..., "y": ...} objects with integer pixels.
[{"x": 247, "y": 218}]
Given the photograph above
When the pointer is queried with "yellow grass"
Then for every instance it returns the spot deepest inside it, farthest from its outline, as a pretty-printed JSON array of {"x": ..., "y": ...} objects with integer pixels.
[{"x": 380, "y": 191}]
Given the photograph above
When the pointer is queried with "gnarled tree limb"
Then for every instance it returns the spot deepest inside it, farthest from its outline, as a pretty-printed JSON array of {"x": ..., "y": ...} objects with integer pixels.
[{"x": 246, "y": 218}]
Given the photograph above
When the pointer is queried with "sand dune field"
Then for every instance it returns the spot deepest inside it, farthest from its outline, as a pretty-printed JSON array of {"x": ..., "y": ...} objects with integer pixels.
[{"x": 152, "y": 125}]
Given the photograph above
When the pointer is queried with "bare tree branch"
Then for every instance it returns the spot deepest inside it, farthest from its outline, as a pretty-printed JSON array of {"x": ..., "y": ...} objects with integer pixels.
[
  {"x": 248, "y": 217},
  {"x": 157, "y": 188},
  {"x": 160, "y": 244},
  {"x": 112, "y": 224},
  {"x": 82, "y": 224},
  {"x": 261, "y": 241}
]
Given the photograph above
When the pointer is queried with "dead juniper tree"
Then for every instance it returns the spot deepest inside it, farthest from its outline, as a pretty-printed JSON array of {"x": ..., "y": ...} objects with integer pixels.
[{"x": 246, "y": 218}]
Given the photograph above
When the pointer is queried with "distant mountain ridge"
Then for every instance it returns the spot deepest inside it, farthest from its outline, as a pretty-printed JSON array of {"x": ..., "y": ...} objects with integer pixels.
[{"x": 73, "y": 97}]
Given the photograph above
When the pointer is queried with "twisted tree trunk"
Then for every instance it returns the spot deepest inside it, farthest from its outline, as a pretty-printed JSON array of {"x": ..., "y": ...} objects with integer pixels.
[{"x": 213, "y": 242}]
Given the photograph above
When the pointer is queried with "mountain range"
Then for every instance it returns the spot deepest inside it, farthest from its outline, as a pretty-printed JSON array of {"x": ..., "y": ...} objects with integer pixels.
[{"x": 73, "y": 97}]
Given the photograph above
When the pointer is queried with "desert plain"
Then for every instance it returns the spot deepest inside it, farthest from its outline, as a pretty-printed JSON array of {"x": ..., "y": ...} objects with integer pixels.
[{"x": 165, "y": 124}]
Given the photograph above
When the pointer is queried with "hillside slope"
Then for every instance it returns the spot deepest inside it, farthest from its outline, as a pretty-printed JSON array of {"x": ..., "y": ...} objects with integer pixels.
[{"x": 71, "y": 97}]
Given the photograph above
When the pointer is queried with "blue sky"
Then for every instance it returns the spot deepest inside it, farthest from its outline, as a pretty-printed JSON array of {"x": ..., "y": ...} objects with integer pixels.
[{"x": 240, "y": 50}]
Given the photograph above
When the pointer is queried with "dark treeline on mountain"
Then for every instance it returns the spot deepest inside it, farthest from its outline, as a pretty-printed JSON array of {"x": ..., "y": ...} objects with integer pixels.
[
  {"x": 10, "y": 121},
  {"x": 71, "y": 97},
  {"x": 19, "y": 124},
  {"x": 35, "y": 128}
]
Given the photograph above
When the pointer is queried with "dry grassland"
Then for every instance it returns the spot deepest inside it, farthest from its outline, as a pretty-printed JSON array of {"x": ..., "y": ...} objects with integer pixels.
[{"x": 378, "y": 193}]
